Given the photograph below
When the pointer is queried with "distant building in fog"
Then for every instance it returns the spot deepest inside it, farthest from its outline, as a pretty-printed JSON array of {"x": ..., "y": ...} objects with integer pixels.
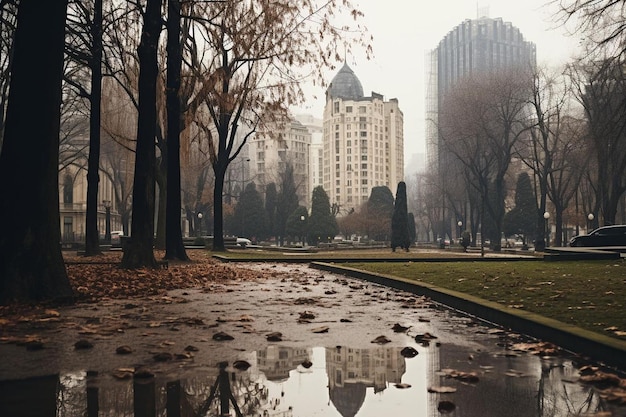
[{"x": 473, "y": 47}]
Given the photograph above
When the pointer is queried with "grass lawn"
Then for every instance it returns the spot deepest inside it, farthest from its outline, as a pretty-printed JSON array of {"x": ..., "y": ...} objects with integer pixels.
[{"x": 588, "y": 294}]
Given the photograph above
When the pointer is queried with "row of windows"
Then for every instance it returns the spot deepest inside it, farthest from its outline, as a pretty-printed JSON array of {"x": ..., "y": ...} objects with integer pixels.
[
  {"x": 364, "y": 191},
  {"x": 377, "y": 107},
  {"x": 362, "y": 125}
]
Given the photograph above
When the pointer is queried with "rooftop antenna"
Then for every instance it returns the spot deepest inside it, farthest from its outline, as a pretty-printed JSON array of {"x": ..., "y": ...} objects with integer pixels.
[{"x": 482, "y": 10}]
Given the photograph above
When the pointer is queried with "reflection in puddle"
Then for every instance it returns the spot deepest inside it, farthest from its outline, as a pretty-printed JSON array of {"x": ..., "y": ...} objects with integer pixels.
[{"x": 284, "y": 381}]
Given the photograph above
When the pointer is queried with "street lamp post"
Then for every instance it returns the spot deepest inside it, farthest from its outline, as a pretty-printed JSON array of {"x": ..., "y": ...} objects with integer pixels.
[
  {"x": 107, "y": 221},
  {"x": 460, "y": 224},
  {"x": 546, "y": 216},
  {"x": 590, "y": 217},
  {"x": 199, "y": 231},
  {"x": 302, "y": 236}
]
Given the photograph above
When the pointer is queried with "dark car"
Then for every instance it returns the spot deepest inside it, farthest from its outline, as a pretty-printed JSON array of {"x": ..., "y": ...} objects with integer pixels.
[{"x": 603, "y": 236}]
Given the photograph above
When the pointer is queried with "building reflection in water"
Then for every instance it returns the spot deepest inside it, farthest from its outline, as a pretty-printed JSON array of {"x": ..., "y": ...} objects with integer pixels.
[
  {"x": 321, "y": 382},
  {"x": 351, "y": 371}
]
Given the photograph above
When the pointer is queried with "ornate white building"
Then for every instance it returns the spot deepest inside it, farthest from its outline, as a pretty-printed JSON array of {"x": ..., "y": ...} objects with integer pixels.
[{"x": 363, "y": 142}]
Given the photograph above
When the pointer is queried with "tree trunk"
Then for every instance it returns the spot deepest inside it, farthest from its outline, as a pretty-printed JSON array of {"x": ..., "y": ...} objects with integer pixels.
[
  {"x": 139, "y": 251},
  {"x": 174, "y": 247},
  {"x": 161, "y": 200},
  {"x": 218, "y": 210},
  {"x": 558, "y": 226},
  {"x": 32, "y": 267},
  {"x": 92, "y": 238}
]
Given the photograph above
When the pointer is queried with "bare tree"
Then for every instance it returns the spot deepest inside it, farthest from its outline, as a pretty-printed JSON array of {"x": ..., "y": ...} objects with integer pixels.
[
  {"x": 8, "y": 17},
  {"x": 482, "y": 120},
  {"x": 553, "y": 149},
  {"x": 602, "y": 21},
  {"x": 84, "y": 47},
  {"x": 32, "y": 267},
  {"x": 139, "y": 252},
  {"x": 601, "y": 88},
  {"x": 259, "y": 51}
]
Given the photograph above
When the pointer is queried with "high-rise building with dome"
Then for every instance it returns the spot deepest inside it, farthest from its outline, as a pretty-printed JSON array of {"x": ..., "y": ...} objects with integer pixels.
[{"x": 363, "y": 142}]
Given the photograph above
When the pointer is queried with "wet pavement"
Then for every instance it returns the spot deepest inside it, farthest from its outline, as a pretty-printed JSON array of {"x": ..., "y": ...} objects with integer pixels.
[{"x": 294, "y": 342}]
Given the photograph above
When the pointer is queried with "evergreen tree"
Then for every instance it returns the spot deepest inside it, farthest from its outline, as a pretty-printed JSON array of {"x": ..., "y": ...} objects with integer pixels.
[
  {"x": 249, "y": 217},
  {"x": 400, "y": 221},
  {"x": 287, "y": 202},
  {"x": 412, "y": 227},
  {"x": 379, "y": 211},
  {"x": 297, "y": 224},
  {"x": 521, "y": 219},
  {"x": 271, "y": 200},
  {"x": 322, "y": 223}
]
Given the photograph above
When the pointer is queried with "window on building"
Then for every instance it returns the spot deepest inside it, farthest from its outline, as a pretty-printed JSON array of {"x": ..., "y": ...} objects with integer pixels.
[
  {"x": 336, "y": 107},
  {"x": 362, "y": 109},
  {"x": 363, "y": 134},
  {"x": 348, "y": 109},
  {"x": 68, "y": 228},
  {"x": 68, "y": 189}
]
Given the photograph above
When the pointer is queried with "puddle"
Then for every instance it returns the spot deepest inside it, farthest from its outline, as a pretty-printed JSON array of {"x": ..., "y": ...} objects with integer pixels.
[{"x": 283, "y": 381}]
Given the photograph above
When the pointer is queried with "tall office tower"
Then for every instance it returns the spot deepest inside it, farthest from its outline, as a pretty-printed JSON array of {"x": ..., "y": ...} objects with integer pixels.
[
  {"x": 363, "y": 142},
  {"x": 474, "y": 47}
]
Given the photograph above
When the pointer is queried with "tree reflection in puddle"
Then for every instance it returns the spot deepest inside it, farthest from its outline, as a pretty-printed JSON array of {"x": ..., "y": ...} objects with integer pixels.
[{"x": 284, "y": 381}]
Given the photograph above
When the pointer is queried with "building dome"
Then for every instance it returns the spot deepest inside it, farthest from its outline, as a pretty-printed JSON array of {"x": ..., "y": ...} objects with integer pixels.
[{"x": 345, "y": 85}]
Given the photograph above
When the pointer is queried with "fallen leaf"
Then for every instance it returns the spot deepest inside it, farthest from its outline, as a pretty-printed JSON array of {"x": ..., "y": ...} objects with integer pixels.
[
  {"x": 83, "y": 344},
  {"x": 162, "y": 357},
  {"x": 409, "y": 352},
  {"x": 446, "y": 407},
  {"x": 274, "y": 337},
  {"x": 381, "y": 340},
  {"x": 323, "y": 329},
  {"x": 123, "y": 350},
  {"x": 398, "y": 328},
  {"x": 441, "y": 389},
  {"x": 221, "y": 336}
]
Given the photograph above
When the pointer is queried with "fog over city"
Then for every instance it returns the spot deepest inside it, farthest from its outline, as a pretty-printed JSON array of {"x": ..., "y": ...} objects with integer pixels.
[{"x": 405, "y": 31}]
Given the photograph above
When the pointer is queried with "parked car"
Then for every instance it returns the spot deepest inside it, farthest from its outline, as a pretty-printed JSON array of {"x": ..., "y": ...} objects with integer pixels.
[
  {"x": 116, "y": 238},
  {"x": 603, "y": 236},
  {"x": 243, "y": 242}
]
